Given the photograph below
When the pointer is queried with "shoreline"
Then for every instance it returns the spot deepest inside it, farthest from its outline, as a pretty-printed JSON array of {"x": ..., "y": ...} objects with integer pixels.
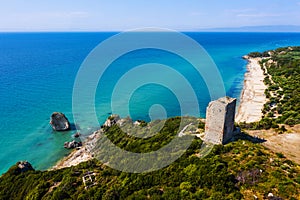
[
  {"x": 252, "y": 100},
  {"x": 253, "y": 96},
  {"x": 79, "y": 155}
]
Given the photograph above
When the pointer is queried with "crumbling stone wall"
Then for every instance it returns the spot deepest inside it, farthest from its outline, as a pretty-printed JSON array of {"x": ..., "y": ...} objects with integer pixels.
[{"x": 219, "y": 124}]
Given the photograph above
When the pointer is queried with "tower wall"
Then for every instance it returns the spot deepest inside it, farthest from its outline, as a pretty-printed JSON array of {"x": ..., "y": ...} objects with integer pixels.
[{"x": 219, "y": 125}]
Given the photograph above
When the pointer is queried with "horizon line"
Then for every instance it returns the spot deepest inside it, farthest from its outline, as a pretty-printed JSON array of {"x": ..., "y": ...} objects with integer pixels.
[
  {"x": 260, "y": 28},
  {"x": 115, "y": 31}
]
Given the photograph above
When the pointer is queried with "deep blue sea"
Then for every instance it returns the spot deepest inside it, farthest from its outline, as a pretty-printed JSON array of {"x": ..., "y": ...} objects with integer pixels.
[{"x": 38, "y": 70}]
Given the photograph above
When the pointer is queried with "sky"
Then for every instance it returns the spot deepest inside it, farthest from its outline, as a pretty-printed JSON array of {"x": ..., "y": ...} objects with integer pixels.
[{"x": 120, "y": 15}]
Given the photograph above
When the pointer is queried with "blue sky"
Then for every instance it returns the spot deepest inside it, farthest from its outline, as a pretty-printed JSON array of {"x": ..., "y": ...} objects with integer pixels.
[{"x": 107, "y": 15}]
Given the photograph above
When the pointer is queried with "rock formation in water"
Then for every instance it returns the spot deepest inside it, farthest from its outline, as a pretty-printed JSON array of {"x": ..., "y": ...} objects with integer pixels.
[
  {"x": 72, "y": 145},
  {"x": 59, "y": 122},
  {"x": 77, "y": 135}
]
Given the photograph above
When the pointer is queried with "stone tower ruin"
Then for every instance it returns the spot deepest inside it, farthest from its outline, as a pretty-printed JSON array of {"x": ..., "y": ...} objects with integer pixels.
[{"x": 219, "y": 124}]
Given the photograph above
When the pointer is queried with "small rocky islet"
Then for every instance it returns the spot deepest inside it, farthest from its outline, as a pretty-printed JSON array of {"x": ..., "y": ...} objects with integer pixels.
[{"x": 59, "y": 122}]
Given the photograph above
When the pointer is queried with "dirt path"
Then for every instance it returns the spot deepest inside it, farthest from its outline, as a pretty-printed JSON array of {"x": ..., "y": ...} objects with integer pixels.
[{"x": 288, "y": 143}]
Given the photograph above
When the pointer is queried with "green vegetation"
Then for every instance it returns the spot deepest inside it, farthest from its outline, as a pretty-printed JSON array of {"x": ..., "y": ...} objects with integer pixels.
[
  {"x": 258, "y": 170},
  {"x": 282, "y": 70},
  {"x": 147, "y": 137},
  {"x": 237, "y": 170},
  {"x": 283, "y": 86},
  {"x": 258, "y": 54}
]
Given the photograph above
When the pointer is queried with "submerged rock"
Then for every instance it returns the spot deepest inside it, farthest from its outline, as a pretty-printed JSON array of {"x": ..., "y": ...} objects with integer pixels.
[
  {"x": 77, "y": 135},
  {"x": 59, "y": 122},
  {"x": 72, "y": 145}
]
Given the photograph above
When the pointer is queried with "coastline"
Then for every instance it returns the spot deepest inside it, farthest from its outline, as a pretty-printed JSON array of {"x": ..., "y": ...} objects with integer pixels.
[
  {"x": 81, "y": 154},
  {"x": 252, "y": 100},
  {"x": 253, "y": 95}
]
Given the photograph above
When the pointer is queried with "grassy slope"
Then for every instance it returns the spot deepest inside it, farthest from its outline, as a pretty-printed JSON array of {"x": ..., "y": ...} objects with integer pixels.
[{"x": 228, "y": 172}]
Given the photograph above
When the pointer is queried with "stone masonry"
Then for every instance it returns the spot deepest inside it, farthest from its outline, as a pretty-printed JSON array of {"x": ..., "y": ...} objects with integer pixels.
[{"x": 219, "y": 124}]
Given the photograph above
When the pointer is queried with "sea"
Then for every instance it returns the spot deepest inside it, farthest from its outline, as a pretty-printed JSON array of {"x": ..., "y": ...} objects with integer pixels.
[{"x": 38, "y": 72}]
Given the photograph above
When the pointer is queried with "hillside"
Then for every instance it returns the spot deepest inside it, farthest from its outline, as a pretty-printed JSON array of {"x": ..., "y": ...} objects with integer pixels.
[
  {"x": 237, "y": 170},
  {"x": 242, "y": 169},
  {"x": 283, "y": 80},
  {"x": 280, "y": 125}
]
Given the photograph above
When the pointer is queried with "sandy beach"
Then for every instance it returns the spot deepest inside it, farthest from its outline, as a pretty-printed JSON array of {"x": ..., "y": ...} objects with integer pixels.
[{"x": 252, "y": 98}]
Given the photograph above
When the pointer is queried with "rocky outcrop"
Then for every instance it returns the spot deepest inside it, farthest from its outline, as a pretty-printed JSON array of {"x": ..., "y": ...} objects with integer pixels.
[
  {"x": 77, "y": 135},
  {"x": 24, "y": 166},
  {"x": 112, "y": 120},
  {"x": 59, "y": 122},
  {"x": 72, "y": 145}
]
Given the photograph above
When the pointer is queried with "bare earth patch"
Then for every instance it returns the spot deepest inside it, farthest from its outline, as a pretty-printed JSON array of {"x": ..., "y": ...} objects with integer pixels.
[{"x": 287, "y": 143}]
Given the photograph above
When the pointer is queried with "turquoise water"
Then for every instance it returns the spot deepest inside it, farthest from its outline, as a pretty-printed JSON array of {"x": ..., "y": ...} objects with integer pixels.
[{"x": 38, "y": 71}]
